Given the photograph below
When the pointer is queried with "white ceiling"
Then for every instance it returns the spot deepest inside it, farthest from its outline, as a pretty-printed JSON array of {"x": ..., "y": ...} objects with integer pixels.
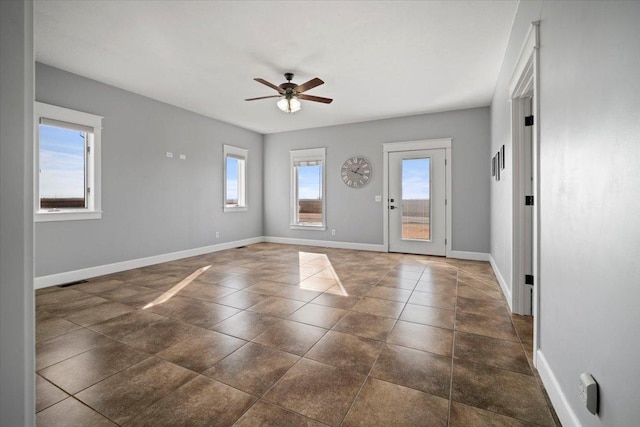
[{"x": 378, "y": 59}]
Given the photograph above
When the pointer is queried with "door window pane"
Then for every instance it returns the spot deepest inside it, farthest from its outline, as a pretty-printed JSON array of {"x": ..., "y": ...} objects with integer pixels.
[
  {"x": 62, "y": 168},
  {"x": 416, "y": 197}
]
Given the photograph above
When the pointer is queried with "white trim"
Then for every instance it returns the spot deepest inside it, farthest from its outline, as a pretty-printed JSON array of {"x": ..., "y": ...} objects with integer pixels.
[
  {"x": 449, "y": 211},
  {"x": 471, "y": 256},
  {"x": 309, "y": 154},
  {"x": 531, "y": 43},
  {"x": 66, "y": 215},
  {"x": 503, "y": 284},
  {"x": 326, "y": 244},
  {"x": 427, "y": 144},
  {"x": 526, "y": 82},
  {"x": 310, "y": 227},
  {"x": 93, "y": 163},
  {"x": 560, "y": 403},
  {"x": 86, "y": 273}
]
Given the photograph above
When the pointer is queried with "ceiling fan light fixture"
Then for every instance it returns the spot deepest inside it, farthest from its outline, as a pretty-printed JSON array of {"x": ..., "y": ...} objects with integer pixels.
[{"x": 290, "y": 104}]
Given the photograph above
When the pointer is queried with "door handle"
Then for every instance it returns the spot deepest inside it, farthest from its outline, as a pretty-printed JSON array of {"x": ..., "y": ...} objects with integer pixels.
[{"x": 392, "y": 207}]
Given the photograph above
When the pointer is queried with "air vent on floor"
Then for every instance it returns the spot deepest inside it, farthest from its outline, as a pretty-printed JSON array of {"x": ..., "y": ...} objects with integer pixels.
[{"x": 66, "y": 285}]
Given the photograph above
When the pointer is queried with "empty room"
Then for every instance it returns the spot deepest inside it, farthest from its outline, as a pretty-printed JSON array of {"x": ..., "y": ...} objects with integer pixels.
[{"x": 319, "y": 213}]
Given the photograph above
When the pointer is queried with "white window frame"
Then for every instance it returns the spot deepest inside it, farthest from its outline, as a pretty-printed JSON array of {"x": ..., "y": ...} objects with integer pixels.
[
  {"x": 311, "y": 154},
  {"x": 240, "y": 154},
  {"x": 93, "y": 173}
]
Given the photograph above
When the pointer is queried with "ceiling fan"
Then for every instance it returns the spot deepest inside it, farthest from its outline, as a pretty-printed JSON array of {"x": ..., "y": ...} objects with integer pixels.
[{"x": 292, "y": 93}]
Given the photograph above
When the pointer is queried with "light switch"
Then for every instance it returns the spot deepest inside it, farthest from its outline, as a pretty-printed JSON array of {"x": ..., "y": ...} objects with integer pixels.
[
  {"x": 169, "y": 154},
  {"x": 183, "y": 156},
  {"x": 378, "y": 198}
]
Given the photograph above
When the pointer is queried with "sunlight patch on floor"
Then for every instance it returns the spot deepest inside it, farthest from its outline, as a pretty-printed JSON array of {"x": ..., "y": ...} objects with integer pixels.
[
  {"x": 338, "y": 289},
  {"x": 177, "y": 288}
]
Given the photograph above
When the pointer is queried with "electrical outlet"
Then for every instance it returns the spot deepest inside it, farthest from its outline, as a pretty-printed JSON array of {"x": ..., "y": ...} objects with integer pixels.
[
  {"x": 217, "y": 234},
  {"x": 183, "y": 157},
  {"x": 333, "y": 231},
  {"x": 588, "y": 392},
  {"x": 169, "y": 154}
]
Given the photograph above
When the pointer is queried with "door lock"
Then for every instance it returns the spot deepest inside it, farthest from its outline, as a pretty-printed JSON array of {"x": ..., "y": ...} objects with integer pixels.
[{"x": 392, "y": 207}]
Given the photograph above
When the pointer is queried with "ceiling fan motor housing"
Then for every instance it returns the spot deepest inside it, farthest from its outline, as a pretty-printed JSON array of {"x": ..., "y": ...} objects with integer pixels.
[{"x": 288, "y": 87}]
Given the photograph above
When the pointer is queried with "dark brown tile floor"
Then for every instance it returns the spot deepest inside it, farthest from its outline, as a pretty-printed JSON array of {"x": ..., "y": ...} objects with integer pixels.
[{"x": 286, "y": 335}]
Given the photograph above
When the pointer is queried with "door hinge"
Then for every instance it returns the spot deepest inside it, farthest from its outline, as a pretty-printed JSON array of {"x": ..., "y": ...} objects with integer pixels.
[
  {"x": 528, "y": 279},
  {"x": 528, "y": 200},
  {"x": 445, "y": 162},
  {"x": 88, "y": 190},
  {"x": 528, "y": 121},
  {"x": 445, "y": 242},
  {"x": 88, "y": 149},
  {"x": 445, "y": 202}
]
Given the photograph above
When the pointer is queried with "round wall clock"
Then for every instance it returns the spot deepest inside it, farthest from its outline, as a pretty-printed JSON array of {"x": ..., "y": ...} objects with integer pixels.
[{"x": 356, "y": 172}]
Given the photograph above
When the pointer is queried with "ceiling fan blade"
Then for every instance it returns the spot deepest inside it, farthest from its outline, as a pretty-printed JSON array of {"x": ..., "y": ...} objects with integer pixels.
[
  {"x": 271, "y": 85},
  {"x": 315, "y": 98},
  {"x": 263, "y": 97},
  {"x": 308, "y": 85}
]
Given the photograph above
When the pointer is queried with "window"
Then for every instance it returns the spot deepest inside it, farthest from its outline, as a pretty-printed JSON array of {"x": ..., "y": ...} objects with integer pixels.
[
  {"x": 308, "y": 209},
  {"x": 235, "y": 179},
  {"x": 67, "y": 182}
]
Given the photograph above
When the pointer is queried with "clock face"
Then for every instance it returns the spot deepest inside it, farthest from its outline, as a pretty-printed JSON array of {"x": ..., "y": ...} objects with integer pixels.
[{"x": 356, "y": 172}]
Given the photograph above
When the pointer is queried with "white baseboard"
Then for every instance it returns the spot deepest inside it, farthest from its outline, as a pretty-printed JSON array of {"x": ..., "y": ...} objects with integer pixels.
[
  {"x": 560, "y": 403},
  {"x": 326, "y": 244},
  {"x": 471, "y": 256},
  {"x": 86, "y": 273},
  {"x": 503, "y": 284}
]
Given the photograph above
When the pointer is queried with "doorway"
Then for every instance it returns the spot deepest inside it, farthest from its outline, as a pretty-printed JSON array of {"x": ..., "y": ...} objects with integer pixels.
[
  {"x": 417, "y": 202},
  {"x": 525, "y": 134},
  {"x": 417, "y": 177}
]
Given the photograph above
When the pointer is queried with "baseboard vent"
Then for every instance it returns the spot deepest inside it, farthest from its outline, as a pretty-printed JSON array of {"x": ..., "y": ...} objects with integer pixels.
[{"x": 66, "y": 285}]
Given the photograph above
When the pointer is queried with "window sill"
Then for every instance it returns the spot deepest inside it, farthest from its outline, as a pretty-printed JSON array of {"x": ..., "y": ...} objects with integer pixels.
[
  {"x": 307, "y": 227},
  {"x": 48, "y": 216},
  {"x": 234, "y": 209}
]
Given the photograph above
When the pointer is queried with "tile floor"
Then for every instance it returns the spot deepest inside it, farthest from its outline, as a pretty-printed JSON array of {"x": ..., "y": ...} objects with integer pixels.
[{"x": 287, "y": 336}]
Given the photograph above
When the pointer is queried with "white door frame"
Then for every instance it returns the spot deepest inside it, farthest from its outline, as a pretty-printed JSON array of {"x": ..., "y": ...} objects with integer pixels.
[
  {"x": 428, "y": 144},
  {"x": 524, "y": 84}
]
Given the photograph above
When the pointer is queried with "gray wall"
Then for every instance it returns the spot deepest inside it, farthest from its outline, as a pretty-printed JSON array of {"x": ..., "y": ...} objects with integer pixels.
[
  {"x": 354, "y": 214},
  {"x": 152, "y": 204},
  {"x": 17, "y": 367},
  {"x": 589, "y": 180}
]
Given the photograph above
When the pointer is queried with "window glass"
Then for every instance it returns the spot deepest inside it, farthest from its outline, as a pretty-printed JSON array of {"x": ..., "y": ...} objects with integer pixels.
[
  {"x": 62, "y": 168},
  {"x": 416, "y": 199},
  {"x": 309, "y": 194},
  {"x": 235, "y": 179}
]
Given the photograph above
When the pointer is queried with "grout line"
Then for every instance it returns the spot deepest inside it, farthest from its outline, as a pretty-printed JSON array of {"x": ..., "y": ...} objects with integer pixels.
[
  {"x": 386, "y": 267},
  {"x": 453, "y": 355}
]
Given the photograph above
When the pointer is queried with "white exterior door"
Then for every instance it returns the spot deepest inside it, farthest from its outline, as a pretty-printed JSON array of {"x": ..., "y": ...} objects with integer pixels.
[{"x": 417, "y": 202}]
